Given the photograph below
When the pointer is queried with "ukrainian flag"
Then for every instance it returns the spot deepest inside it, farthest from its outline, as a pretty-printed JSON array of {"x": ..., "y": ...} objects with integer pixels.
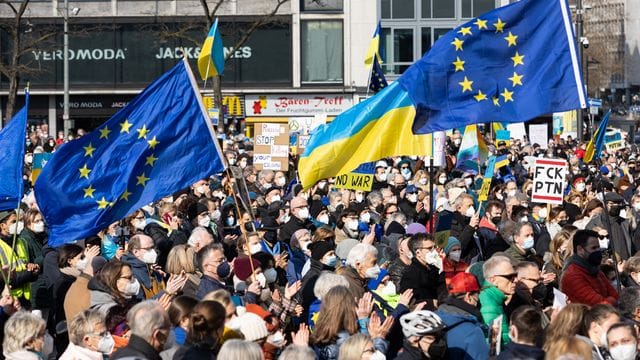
[
  {"x": 211, "y": 58},
  {"x": 374, "y": 46},
  {"x": 594, "y": 147},
  {"x": 376, "y": 128},
  {"x": 473, "y": 151}
]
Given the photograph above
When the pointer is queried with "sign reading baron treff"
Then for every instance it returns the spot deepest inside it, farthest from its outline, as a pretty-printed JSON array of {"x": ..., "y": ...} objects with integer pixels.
[
  {"x": 549, "y": 181},
  {"x": 297, "y": 105}
]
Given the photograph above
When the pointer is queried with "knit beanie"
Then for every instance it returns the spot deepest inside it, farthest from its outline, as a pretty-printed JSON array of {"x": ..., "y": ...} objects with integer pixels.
[
  {"x": 196, "y": 209},
  {"x": 450, "y": 244},
  {"x": 252, "y": 327},
  {"x": 242, "y": 267},
  {"x": 374, "y": 283},
  {"x": 319, "y": 249}
]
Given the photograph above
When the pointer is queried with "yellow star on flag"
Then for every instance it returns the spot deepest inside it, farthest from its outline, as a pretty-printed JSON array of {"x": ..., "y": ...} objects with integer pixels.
[
  {"x": 103, "y": 203},
  {"x": 466, "y": 84},
  {"x": 153, "y": 142},
  {"x": 481, "y": 24},
  {"x": 457, "y": 43},
  {"x": 88, "y": 150},
  {"x": 465, "y": 30},
  {"x": 84, "y": 172},
  {"x": 499, "y": 26},
  {"x": 496, "y": 101},
  {"x": 507, "y": 95},
  {"x": 125, "y": 195},
  {"x": 511, "y": 39},
  {"x": 88, "y": 192},
  {"x": 517, "y": 59},
  {"x": 125, "y": 126},
  {"x": 142, "y": 132},
  {"x": 480, "y": 96},
  {"x": 459, "y": 64},
  {"x": 142, "y": 180},
  {"x": 104, "y": 133},
  {"x": 516, "y": 79},
  {"x": 151, "y": 160}
]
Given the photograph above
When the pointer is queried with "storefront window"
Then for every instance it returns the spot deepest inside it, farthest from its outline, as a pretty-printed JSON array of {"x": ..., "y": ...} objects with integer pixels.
[
  {"x": 474, "y": 8},
  {"x": 397, "y": 9},
  {"x": 322, "y": 53},
  {"x": 321, "y": 5}
]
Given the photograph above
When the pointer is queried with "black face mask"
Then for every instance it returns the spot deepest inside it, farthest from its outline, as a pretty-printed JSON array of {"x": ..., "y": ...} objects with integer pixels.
[
  {"x": 615, "y": 210},
  {"x": 563, "y": 223},
  {"x": 438, "y": 349},
  {"x": 595, "y": 258},
  {"x": 496, "y": 220}
]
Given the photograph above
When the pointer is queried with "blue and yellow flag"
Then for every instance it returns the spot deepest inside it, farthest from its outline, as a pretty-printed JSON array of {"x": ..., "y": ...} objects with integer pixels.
[
  {"x": 473, "y": 151},
  {"x": 594, "y": 146},
  {"x": 12, "y": 144},
  {"x": 377, "y": 80},
  {"x": 509, "y": 65},
  {"x": 211, "y": 58},
  {"x": 159, "y": 143}
]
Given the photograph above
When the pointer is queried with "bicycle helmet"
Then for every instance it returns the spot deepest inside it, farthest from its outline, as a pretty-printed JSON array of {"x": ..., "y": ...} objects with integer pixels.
[{"x": 420, "y": 323}]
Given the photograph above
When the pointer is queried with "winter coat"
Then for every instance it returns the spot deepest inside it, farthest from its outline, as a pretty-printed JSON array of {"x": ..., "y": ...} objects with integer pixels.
[
  {"x": 164, "y": 240},
  {"x": 294, "y": 224},
  {"x": 425, "y": 280},
  {"x": 465, "y": 331},
  {"x": 515, "y": 351},
  {"x": 194, "y": 352},
  {"x": 489, "y": 236},
  {"x": 75, "y": 352},
  {"x": 137, "y": 348},
  {"x": 357, "y": 285},
  {"x": 586, "y": 284},
  {"x": 309, "y": 282},
  {"x": 78, "y": 296},
  {"x": 151, "y": 282},
  {"x": 207, "y": 285},
  {"x": 396, "y": 269},
  {"x": 101, "y": 297},
  {"x": 22, "y": 355},
  {"x": 461, "y": 230},
  {"x": 491, "y": 306},
  {"x": 330, "y": 351},
  {"x": 410, "y": 353},
  {"x": 297, "y": 259}
]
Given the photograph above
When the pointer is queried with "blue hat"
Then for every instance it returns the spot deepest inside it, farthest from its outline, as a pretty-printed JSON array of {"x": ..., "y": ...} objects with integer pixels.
[
  {"x": 411, "y": 189},
  {"x": 374, "y": 283},
  {"x": 604, "y": 170},
  {"x": 450, "y": 244},
  {"x": 252, "y": 195}
]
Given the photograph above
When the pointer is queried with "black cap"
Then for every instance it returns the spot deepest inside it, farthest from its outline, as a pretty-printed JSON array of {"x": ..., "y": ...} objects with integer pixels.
[
  {"x": 5, "y": 214},
  {"x": 319, "y": 249},
  {"x": 196, "y": 209}
]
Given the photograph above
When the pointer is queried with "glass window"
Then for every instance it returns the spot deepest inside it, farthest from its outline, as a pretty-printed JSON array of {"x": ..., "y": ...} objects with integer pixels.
[
  {"x": 482, "y": 6},
  {"x": 426, "y": 9},
  {"x": 322, "y": 52},
  {"x": 438, "y": 33},
  {"x": 321, "y": 5},
  {"x": 403, "y": 9},
  {"x": 385, "y": 9},
  {"x": 466, "y": 9},
  {"x": 444, "y": 9},
  {"x": 403, "y": 45},
  {"x": 425, "y": 41}
]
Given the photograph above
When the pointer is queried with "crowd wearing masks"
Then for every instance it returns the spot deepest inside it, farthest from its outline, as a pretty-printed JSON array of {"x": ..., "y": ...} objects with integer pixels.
[{"x": 256, "y": 267}]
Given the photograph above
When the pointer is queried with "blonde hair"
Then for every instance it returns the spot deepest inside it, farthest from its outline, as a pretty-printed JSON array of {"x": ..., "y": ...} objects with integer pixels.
[
  {"x": 235, "y": 349},
  {"x": 22, "y": 328},
  {"x": 561, "y": 237},
  {"x": 568, "y": 323},
  {"x": 569, "y": 345},
  {"x": 222, "y": 296},
  {"x": 353, "y": 348},
  {"x": 84, "y": 324},
  {"x": 181, "y": 257},
  {"x": 166, "y": 207}
]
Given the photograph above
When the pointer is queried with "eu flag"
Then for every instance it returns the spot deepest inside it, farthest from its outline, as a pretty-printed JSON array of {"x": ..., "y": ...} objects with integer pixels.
[
  {"x": 160, "y": 142},
  {"x": 12, "y": 143},
  {"x": 509, "y": 65}
]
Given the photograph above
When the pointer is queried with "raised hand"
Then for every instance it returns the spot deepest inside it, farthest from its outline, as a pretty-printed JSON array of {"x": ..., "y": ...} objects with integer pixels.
[
  {"x": 365, "y": 306},
  {"x": 301, "y": 337},
  {"x": 291, "y": 290}
]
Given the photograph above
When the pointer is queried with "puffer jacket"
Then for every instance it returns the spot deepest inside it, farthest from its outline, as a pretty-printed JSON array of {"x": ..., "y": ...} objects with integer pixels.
[{"x": 465, "y": 331}]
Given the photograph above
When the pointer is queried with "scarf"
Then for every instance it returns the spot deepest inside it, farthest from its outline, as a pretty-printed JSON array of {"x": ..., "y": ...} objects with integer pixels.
[{"x": 593, "y": 270}]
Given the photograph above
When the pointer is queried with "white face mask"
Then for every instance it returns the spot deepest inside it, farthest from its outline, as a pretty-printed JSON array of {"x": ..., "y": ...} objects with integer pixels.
[
  {"x": 215, "y": 215},
  {"x": 432, "y": 258},
  {"x": 442, "y": 180},
  {"x": 636, "y": 206},
  {"x": 150, "y": 257},
  {"x": 267, "y": 186},
  {"x": 581, "y": 187},
  {"x": 365, "y": 218},
  {"x": 324, "y": 218},
  {"x": 200, "y": 189},
  {"x": 624, "y": 352},
  {"x": 412, "y": 198},
  {"x": 604, "y": 243},
  {"x": 16, "y": 228},
  {"x": 389, "y": 289},
  {"x": 372, "y": 272},
  {"x": 359, "y": 198},
  {"x": 140, "y": 224},
  {"x": 231, "y": 220},
  {"x": 455, "y": 255},
  {"x": 623, "y": 213},
  {"x": 352, "y": 225},
  {"x": 468, "y": 181},
  {"x": 542, "y": 213},
  {"x": 303, "y": 213},
  {"x": 149, "y": 209},
  {"x": 38, "y": 227},
  {"x": 511, "y": 193},
  {"x": 205, "y": 221},
  {"x": 275, "y": 198},
  {"x": 132, "y": 288},
  {"x": 106, "y": 344},
  {"x": 255, "y": 248},
  {"x": 423, "y": 181},
  {"x": 470, "y": 211},
  {"x": 261, "y": 279},
  {"x": 280, "y": 181},
  {"x": 81, "y": 264}
]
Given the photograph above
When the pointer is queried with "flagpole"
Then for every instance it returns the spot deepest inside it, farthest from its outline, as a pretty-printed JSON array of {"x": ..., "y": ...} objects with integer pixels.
[{"x": 369, "y": 79}]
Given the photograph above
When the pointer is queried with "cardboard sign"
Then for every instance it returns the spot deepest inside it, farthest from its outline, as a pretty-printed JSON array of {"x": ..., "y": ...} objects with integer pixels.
[
  {"x": 271, "y": 149},
  {"x": 549, "y": 181},
  {"x": 538, "y": 135},
  {"x": 359, "y": 179}
]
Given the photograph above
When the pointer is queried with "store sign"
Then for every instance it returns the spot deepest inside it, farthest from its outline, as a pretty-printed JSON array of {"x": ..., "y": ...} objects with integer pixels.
[{"x": 297, "y": 105}]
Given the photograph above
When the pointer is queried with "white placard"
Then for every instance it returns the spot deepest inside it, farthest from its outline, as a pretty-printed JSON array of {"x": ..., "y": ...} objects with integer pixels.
[
  {"x": 549, "y": 181},
  {"x": 271, "y": 129},
  {"x": 517, "y": 131},
  {"x": 273, "y": 165},
  {"x": 261, "y": 158},
  {"x": 439, "y": 143},
  {"x": 538, "y": 135}
]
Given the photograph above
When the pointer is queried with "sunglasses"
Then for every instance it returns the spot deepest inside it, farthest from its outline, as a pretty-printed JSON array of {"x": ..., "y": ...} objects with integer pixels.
[
  {"x": 509, "y": 277},
  {"x": 602, "y": 237}
]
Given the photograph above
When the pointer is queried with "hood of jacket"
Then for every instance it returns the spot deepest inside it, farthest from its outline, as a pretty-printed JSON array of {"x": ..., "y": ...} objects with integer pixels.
[{"x": 139, "y": 268}]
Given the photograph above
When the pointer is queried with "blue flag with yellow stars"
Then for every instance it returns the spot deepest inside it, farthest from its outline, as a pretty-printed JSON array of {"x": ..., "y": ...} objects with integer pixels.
[
  {"x": 509, "y": 65},
  {"x": 377, "y": 81},
  {"x": 161, "y": 142},
  {"x": 12, "y": 143}
]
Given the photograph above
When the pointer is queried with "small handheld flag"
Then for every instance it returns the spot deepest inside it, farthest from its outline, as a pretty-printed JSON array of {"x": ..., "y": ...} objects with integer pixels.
[
  {"x": 594, "y": 147},
  {"x": 211, "y": 58}
]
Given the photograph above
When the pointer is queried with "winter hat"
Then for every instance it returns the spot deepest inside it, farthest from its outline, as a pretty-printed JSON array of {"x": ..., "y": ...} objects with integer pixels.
[
  {"x": 242, "y": 267},
  {"x": 450, "y": 244},
  {"x": 463, "y": 283},
  {"x": 252, "y": 326},
  {"x": 258, "y": 310},
  {"x": 416, "y": 228},
  {"x": 196, "y": 209},
  {"x": 454, "y": 193},
  {"x": 319, "y": 249},
  {"x": 374, "y": 283},
  {"x": 395, "y": 228},
  {"x": 5, "y": 214},
  {"x": 315, "y": 208}
]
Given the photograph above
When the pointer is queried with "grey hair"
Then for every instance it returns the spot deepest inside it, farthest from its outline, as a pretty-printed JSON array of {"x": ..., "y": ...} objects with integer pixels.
[
  {"x": 205, "y": 252},
  {"x": 297, "y": 352},
  {"x": 333, "y": 195},
  {"x": 196, "y": 235},
  {"x": 460, "y": 199},
  {"x": 235, "y": 349},
  {"x": 489, "y": 266},
  {"x": 21, "y": 328},
  {"x": 146, "y": 317},
  {"x": 374, "y": 196},
  {"x": 264, "y": 173},
  {"x": 629, "y": 301},
  {"x": 326, "y": 281},
  {"x": 359, "y": 253},
  {"x": 84, "y": 324}
]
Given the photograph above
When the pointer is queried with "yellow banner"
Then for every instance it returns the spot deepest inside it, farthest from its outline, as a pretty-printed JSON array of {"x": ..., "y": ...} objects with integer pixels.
[{"x": 354, "y": 181}]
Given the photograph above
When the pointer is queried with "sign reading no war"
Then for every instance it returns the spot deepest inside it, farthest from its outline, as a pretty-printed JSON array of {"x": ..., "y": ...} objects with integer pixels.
[
  {"x": 360, "y": 179},
  {"x": 549, "y": 181}
]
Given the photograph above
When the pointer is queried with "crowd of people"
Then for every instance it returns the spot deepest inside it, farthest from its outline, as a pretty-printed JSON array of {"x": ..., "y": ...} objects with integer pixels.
[{"x": 252, "y": 266}]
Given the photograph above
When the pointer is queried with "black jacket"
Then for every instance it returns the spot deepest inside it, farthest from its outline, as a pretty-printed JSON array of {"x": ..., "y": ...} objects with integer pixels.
[
  {"x": 309, "y": 281},
  {"x": 515, "y": 351},
  {"x": 163, "y": 241},
  {"x": 294, "y": 224},
  {"x": 461, "y": 230},
  {"x": 137, "y": 348},
  {"x": 426, "y": 281}
]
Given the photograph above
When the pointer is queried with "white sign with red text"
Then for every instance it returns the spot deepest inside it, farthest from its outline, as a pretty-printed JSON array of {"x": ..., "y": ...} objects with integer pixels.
[
  {"x": 549, "y": 181},
  {"x": 297, "y": 104}
]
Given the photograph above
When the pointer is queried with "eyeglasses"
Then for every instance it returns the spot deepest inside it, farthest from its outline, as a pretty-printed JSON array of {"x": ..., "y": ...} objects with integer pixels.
[
  {"x": 509, "y": 277},
  {"x": 602, "y": 237},
  {"x": 429, "y": 248},
  {"x": 537, "y": 281}
]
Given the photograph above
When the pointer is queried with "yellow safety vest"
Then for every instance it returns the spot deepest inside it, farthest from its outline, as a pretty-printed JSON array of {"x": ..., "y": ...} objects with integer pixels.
[{"x": 20, "y": 260}]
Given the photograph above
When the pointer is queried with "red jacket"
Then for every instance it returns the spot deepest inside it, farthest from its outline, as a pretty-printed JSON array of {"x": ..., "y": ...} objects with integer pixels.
[{"x": 584, "y": 288}]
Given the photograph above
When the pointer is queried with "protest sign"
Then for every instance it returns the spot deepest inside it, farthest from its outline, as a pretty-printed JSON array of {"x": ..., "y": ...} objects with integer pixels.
[
  {"x": 549, "y": 181},
  {"x": 359, "y": 179},
  {"x": 271, "y": 147}
]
